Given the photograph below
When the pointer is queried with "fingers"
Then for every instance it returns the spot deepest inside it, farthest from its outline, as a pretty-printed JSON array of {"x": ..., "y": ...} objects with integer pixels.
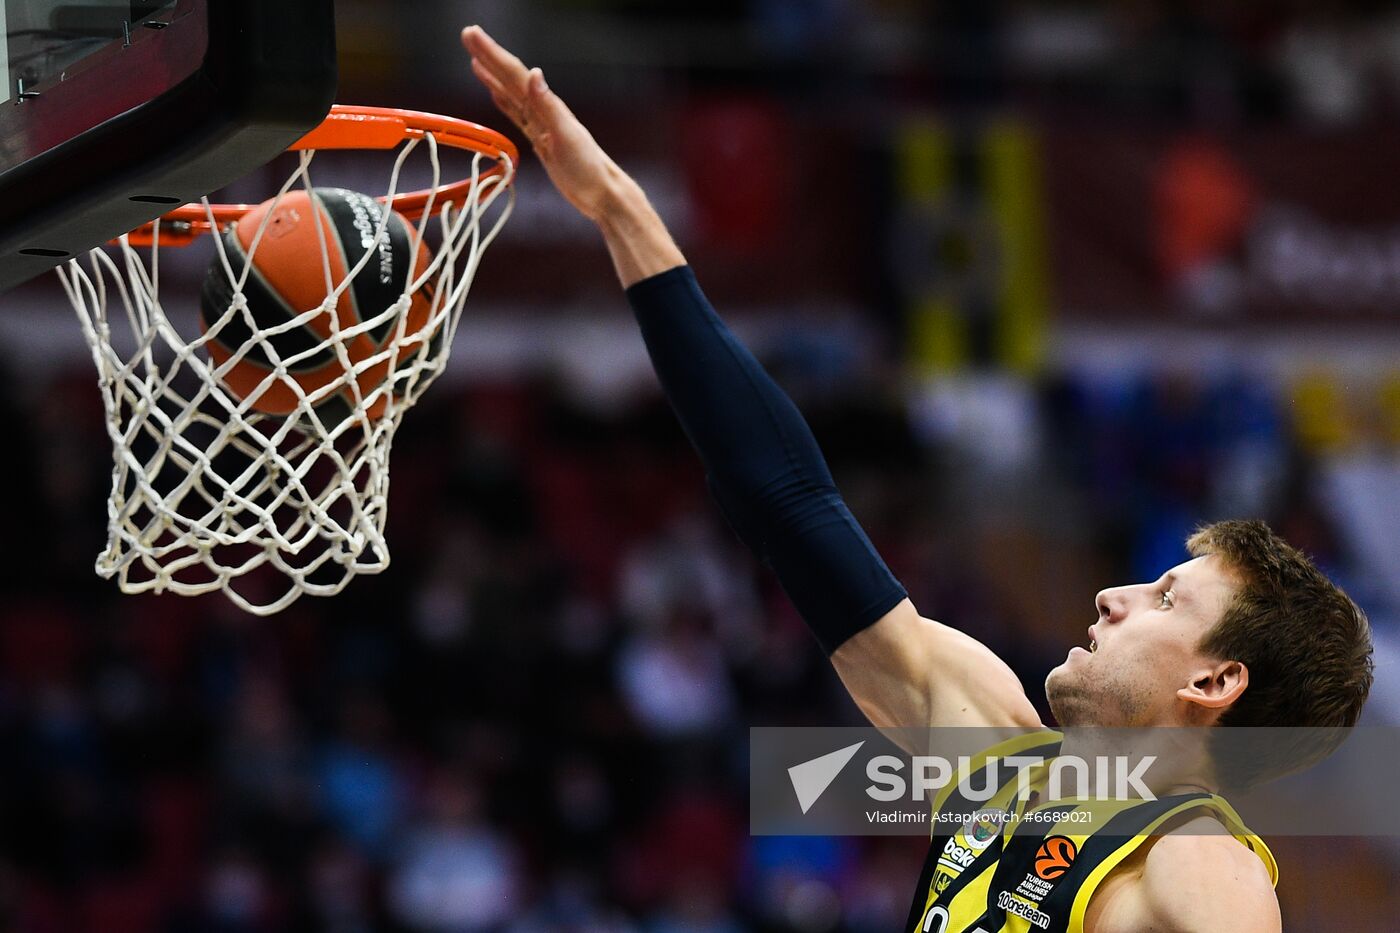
[
  {"x": 487, "y": 78},
  {"x": 512, "y": 105},
  {"x": 504, "y": 75},
  {"x": 544, "y": 104},
  {"x": 536, "y": 87},
  {"x": 505, "y": 67},
  {"x": 522, "y": 94},
  {"x": 509, "y": 102}
]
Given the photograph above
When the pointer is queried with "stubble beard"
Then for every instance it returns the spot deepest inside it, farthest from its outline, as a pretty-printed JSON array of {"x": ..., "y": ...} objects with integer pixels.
[{"x": 1094, "y": 698}]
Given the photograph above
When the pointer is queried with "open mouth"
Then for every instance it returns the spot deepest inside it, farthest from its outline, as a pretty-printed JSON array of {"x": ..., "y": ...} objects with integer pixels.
[{"x": 1093, "y": 642}]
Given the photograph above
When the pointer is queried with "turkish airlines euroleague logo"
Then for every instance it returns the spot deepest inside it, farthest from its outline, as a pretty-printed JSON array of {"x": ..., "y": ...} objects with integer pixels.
[{"x": 1054, "y": 857}]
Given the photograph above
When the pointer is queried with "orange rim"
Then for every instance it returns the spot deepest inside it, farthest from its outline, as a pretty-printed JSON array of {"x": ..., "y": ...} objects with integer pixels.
[{"x": 354, "y": 127}]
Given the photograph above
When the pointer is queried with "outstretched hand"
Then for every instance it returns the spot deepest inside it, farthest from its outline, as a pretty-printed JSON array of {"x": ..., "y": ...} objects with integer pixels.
[
  {"x": 636, "y": 237},
  {"x": 578, "y": 166}
]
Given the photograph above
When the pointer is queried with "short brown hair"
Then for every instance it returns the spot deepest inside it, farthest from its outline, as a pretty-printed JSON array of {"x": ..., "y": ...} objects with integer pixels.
[{"x": 1306, "y": 644}]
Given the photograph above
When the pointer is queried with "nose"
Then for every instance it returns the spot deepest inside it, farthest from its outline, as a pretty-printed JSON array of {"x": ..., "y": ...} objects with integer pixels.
[{"x": 1111, "y": 604}]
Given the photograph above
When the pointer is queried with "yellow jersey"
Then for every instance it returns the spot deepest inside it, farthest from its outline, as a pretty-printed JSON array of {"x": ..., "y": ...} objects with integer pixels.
[{"x": 1010, "y": 868}]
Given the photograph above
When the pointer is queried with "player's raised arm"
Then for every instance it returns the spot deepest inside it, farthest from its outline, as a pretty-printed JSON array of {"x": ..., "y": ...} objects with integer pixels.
[{"x": 763, "y": 465}]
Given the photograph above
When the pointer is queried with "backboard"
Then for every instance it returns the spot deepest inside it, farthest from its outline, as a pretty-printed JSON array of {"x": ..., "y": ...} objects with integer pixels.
[{"x": 114, "y": 111}]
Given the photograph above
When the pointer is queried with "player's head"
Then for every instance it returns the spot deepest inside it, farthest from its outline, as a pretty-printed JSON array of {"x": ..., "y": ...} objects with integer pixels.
[{"x": 1247, "y": 633}]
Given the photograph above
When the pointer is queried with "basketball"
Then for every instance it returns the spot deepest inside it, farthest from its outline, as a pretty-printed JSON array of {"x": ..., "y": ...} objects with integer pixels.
[{"x": 289, "y": 277}]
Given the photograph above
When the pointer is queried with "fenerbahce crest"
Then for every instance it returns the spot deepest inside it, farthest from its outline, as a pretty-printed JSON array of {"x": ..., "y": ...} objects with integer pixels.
[
  {"x": 962, "y": 849},
  {"x": 1053, "y": 858}
]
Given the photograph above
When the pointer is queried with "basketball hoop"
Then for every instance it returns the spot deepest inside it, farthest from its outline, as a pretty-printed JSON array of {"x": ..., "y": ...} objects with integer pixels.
[{"x": 210, "y": 493}]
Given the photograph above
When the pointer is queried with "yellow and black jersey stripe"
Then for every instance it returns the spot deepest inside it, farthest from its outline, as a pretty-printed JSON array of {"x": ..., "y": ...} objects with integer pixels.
[{"x": 1013, "y": 870}]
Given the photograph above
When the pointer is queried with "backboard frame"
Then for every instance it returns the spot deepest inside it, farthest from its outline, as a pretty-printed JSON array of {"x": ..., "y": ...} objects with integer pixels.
[{"x": 200, "y": 96}]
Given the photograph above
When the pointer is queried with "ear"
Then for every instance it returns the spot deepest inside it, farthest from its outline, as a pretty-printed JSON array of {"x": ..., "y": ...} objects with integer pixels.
[{"x": 1216, "y": 688}]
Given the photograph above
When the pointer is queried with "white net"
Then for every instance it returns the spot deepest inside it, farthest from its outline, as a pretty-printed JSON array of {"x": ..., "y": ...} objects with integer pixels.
[{"x": 210, "y": 494}]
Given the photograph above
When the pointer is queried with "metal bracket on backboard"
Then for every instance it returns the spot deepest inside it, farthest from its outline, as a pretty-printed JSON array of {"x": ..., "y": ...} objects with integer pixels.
[{"x": 200, "y": 97}]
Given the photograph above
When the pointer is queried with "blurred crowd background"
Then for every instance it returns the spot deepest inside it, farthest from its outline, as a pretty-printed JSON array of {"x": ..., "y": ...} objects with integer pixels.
[{"x": 1053, "y": 282}]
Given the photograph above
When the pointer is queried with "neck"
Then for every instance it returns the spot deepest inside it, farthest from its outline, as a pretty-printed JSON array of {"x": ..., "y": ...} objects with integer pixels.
[{"x": 1113, "y": 763}]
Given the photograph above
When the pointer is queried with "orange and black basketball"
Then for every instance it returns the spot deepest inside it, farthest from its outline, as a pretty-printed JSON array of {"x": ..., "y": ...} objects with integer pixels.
[
  {"x": 1054, "y": 857},
  {"x": 289, "y": 278}
]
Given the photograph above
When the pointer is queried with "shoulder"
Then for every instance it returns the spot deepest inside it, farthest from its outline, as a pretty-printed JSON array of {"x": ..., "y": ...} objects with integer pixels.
[{"x": 1223, "y": 878}]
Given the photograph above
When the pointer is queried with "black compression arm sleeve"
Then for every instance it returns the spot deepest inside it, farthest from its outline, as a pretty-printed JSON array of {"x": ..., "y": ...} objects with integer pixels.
[{"x": 764, "y": 467}]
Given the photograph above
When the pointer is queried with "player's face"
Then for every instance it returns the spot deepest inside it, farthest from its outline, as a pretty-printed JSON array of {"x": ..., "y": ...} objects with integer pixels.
[{"x": 1143, "y": 649}]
